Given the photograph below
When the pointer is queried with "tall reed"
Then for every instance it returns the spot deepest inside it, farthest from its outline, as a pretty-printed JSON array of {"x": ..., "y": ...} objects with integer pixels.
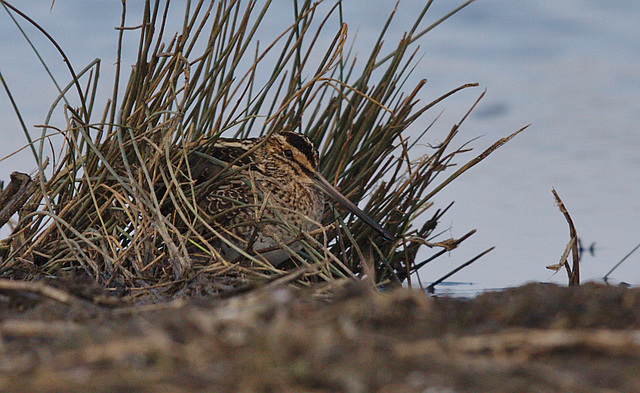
[{"x": 98, "y": 211}]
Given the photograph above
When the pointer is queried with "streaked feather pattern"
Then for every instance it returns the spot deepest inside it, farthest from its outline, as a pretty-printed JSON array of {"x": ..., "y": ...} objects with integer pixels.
[{"x": 273, "y": 182}]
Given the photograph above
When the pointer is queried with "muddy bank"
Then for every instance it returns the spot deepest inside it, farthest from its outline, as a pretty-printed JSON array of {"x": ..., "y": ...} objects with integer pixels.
[{"x": 542, "y": 338}]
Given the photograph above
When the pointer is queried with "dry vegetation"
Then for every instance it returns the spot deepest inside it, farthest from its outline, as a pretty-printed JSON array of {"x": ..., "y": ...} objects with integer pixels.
[{"x": 94, "y": 208}]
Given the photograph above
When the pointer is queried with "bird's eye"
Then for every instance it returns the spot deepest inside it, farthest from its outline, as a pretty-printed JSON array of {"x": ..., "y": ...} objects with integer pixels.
[{"x": 288, "y": 153}]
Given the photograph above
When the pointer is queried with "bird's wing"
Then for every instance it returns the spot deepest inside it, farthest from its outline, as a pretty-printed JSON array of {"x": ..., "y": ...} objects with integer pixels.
[{"x": 205, "y": 166}]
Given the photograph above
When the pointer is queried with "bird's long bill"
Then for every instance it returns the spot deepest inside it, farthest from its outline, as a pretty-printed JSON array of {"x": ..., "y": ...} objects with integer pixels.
[{"x": 335, "y": 194}]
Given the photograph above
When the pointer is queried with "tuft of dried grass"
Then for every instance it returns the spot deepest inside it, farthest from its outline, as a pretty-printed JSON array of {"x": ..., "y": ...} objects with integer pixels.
[{"x": 118, "y": 203}]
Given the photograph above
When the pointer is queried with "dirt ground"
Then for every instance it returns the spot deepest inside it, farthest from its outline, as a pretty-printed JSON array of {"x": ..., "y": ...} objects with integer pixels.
[{"x": 347, "y": 338}]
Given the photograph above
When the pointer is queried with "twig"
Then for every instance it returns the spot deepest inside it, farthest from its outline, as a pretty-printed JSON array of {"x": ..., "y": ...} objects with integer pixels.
[
  {"x": 15, "y": 195},
  {"x": 574, "y": 272}
]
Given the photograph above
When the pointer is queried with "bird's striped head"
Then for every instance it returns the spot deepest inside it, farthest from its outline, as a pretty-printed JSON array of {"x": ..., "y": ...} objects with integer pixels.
[{"x": 295, "y": 150}]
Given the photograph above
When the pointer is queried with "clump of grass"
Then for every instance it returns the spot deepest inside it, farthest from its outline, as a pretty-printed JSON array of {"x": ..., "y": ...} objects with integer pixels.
[{"x": 99, "y": 212}]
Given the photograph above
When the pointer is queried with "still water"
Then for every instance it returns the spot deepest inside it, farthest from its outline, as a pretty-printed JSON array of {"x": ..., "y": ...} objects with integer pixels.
[{"x": 571, "y": 69}]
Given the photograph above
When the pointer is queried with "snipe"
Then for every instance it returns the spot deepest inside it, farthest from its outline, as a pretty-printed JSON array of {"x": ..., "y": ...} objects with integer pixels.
[{"x": 273, "y": 179}]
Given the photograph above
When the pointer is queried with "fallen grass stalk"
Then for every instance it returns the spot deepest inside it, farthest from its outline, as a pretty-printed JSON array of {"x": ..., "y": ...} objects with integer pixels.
[
  {"x": 528, "y": 343},
  {"x": 40, "y": 288}
]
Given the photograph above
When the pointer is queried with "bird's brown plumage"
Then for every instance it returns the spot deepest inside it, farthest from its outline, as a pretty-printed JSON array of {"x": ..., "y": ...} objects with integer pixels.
[{"x": 271, "y": 181}]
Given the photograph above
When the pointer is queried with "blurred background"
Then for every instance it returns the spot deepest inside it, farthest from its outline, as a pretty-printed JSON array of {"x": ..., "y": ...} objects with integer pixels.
[{"x": 571, "y": 69}]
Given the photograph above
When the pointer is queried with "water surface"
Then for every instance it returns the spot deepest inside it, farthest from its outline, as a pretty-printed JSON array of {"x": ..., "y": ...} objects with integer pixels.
[{"x": 570, "y": 69}]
